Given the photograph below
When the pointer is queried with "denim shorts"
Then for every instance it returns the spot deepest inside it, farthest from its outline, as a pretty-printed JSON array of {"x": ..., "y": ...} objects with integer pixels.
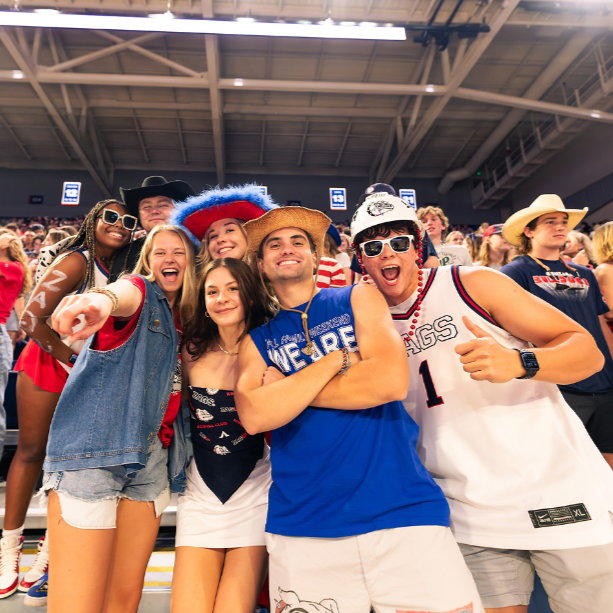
[{"x": 89, "y": 497}]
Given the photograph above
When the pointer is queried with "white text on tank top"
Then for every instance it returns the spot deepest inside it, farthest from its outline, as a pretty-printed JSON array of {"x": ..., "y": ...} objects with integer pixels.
[
  {"x": 498, "y": 451},
  {"x": 101, "y": 278}
]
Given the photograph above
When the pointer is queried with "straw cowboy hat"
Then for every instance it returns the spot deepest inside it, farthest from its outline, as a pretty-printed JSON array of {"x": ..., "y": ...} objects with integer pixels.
[
  {"x": 513, "y": 228},
  {"x": 309, "y": 220},
  {"x": 242, "y": 202},
  {"x": 155, "y": 186}
]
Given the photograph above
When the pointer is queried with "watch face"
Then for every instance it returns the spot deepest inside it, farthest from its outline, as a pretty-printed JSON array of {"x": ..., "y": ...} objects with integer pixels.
[{"x": 529, "y": 360}]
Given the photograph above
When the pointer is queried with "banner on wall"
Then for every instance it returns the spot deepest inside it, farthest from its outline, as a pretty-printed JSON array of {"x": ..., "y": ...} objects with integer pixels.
[
  {"x": 71, "y": 192},
  {"x": 409, "y": 196},
  {"x": 338, "y": 199}
]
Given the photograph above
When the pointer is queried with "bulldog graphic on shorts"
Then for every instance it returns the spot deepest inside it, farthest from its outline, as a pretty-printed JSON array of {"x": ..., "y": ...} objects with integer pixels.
[{"x": 290, "y": 603}]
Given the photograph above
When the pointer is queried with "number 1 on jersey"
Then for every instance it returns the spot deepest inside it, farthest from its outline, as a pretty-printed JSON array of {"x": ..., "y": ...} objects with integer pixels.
[{"x": 433, "y": 400}]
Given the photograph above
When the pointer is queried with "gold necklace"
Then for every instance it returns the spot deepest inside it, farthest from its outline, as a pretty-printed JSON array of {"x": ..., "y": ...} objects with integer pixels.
[{"x": 226, "y": 352}]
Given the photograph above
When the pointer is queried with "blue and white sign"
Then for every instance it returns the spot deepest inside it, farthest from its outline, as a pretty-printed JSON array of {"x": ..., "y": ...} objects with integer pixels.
[
  {"x": 71, "y": 192},
  {"x": 263, "y": 189},
  {"x": 338, "y": 199},
  {"x": 409, "y": 196}
]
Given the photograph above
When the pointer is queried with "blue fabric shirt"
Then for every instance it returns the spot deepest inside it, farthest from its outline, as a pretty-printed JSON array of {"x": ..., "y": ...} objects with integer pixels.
[
  {"x": 340, "y": 473},
  {"x": 575, "y": 293},
  {"x": 114, "y": 401}
]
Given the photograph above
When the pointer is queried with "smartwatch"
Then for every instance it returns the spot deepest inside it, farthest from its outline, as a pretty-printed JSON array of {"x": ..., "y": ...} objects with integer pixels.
[
  {"x": 73, "y": 359},
  {"x": 529, "y": 362}
]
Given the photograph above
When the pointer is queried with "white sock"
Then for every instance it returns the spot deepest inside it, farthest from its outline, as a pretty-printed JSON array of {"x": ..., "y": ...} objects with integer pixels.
[{"x": 16, "y": 533}]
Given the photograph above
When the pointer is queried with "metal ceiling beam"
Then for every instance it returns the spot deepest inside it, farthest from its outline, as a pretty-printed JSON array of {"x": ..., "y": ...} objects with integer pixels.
[
  {"x": 212, "y": 63},
  {"x": 58, "y": 138},
  {"x": 96, "y": 55},
  {"x": 11, "y": 131},
  {"x": 150, "y": 54},
  {"x": 11, "y": 47},
  {"x": 303, "y": 143},
  {"x": 441, "y": 91},
  {"x": 105, "y": 164},
  {"x": 343, "y": 145},
  {"x": 546, "y": 78},
  {"x": 412, "y": 14},
  {"x": 471, "y": 57},
  {"x": 273, "y": 112},
  {"x": 263, "y": 142}
]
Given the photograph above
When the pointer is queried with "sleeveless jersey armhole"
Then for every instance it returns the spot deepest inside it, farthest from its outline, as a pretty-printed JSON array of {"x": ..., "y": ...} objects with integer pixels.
[{"x": 466, "y": 297}]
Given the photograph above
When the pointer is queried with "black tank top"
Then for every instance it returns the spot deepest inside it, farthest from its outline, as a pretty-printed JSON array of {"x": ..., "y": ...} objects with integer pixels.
[{"x": 224, "y": 453}]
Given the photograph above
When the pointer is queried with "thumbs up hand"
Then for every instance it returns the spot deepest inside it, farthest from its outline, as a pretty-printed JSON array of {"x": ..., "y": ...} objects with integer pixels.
[{"x": 486, "y": 359}]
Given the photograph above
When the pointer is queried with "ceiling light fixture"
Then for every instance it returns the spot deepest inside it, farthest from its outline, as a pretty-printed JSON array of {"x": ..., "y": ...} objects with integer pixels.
[
  {"x": 17, "y": 74},
  {"x": 595, "y": 115},
  {"x": 199, "y": 26},
  {"x": 430, "y": 88},
  {"x": 239, "y": 82},
  {"x": 166, "y": 15}
]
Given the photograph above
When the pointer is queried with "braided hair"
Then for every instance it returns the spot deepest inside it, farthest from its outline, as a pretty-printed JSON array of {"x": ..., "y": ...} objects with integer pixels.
[{"x": 86, "y": 237}]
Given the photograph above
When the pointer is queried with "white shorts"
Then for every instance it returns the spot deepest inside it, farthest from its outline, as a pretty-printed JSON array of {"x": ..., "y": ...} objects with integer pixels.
[
  {"x": 203, "y": 521},
  {"x": 404, "y": 570},
  {"x": 102, "y": 514},
  {"x": 576, "y": 580}
]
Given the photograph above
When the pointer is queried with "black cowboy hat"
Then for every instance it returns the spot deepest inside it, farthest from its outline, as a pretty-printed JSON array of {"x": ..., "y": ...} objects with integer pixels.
[{"x": 155, "y": 186}]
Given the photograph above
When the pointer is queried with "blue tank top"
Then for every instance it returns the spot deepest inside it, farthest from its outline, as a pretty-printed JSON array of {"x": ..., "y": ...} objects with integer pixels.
[{"x": 341, "y": 473}]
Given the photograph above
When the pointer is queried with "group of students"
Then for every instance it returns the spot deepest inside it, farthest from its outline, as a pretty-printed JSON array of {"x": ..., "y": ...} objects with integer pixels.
[{"x": 389, "y": 445}]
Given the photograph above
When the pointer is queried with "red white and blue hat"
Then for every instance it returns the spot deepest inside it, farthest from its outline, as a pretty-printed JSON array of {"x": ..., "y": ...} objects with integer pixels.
[{"x": 242, "y": 202}]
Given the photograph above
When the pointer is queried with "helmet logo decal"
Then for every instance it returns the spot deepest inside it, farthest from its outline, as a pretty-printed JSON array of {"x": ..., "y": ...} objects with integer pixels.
[{"x": 379, "y": 207}]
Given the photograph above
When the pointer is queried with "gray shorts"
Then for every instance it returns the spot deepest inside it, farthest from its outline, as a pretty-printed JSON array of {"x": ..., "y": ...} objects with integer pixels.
[
  {"x": 576, "y": 580},
  {"x": 89, "y": 497}
]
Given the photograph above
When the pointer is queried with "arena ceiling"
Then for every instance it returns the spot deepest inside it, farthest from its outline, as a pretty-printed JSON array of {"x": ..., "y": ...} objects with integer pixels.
[{"x": 490, "y": 107}]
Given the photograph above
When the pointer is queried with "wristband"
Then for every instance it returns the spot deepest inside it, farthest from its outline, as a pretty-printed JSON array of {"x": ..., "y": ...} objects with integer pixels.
[
  {"x": 346, "y": 364},
  {"x": 107, "y": 292}
]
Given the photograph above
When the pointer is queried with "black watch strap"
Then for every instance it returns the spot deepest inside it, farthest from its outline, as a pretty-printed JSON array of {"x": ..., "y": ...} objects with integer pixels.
[{"x": 529, "y": 362}]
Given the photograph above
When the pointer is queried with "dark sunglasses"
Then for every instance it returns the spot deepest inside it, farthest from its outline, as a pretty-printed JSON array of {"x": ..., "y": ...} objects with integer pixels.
[
  {"x": 111, "y": 217},
  {"x": 398, "y": 244}
]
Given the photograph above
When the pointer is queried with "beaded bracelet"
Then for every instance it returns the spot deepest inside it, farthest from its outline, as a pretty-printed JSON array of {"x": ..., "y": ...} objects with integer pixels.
[
  {"x": 345, "y": 366},
  {"x": 107, "y": 292}
]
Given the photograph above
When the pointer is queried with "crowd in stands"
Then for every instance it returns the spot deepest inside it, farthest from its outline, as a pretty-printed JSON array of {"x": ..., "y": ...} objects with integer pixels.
[{"x": 134, "y": 259}]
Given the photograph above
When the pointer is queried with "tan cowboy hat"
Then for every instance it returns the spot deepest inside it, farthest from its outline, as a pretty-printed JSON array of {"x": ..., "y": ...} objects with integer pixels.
[
  {"x": 309, "y": 220},
  {"x": 513, "y": 228}
]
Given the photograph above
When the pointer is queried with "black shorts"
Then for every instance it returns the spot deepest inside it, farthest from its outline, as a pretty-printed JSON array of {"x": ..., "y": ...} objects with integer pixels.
[{"x": 596, "y": 413}]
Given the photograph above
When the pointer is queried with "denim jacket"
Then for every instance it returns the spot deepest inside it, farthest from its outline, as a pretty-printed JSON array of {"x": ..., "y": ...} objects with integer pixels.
[{"x": 114, "y": 401}]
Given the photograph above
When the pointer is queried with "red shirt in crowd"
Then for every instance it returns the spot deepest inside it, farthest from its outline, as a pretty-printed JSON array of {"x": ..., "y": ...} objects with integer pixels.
[{"x": 11, "y": 282}]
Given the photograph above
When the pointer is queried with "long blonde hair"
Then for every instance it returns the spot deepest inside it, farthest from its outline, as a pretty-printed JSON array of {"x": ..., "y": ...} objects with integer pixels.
[
  {"x": 17, "y": 254},
  {"x": 187, "y": 293},
  {"x": 603, "y": 243},
  {"x": 484, "y": 253},
  {"x": 585, "y": 241}
]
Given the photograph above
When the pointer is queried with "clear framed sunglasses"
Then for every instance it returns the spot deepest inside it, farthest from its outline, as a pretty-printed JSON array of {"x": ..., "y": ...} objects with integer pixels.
[
  {"x": 398, "y": 244},
  {"x": 111, "y": 217}
]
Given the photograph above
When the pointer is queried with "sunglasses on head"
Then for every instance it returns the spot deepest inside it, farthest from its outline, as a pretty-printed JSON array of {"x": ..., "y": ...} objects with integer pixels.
[
  {"x": 111, "y": 217},
  {"x": 398, "y": 244}
]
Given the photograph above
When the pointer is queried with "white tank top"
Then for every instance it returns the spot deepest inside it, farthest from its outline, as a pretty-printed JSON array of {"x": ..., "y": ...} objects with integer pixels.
[
  {"x": 515, "y": 462},
  {"x": 101, "y": 278}
]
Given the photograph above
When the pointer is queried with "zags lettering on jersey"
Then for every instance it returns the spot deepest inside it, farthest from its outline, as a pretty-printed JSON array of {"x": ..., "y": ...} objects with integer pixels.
[{"x": 427, "y": 335}]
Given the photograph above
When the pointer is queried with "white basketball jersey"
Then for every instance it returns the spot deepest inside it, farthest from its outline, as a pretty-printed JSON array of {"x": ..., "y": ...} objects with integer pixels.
[{"x": 516, "y": 464}]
